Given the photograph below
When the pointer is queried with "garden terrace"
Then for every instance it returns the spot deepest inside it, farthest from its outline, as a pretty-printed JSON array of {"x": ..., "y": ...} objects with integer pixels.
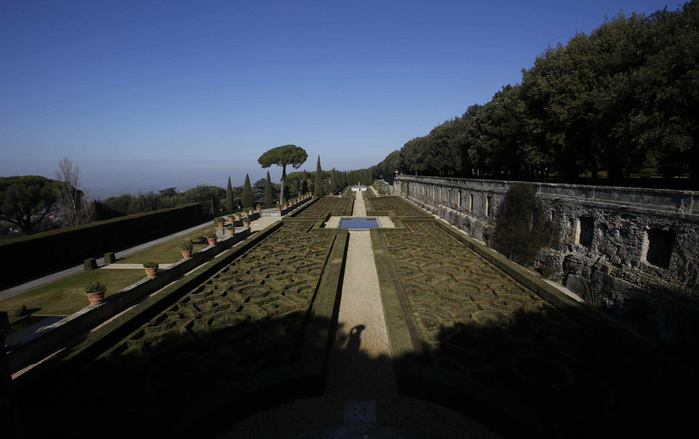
[
  {"x": 260, "y": 321},
  {"x": 334, "y": 206},
  {"x": 380, "y": 206},
  {"x": 466, "y": 327},
  {"x": 466, "y": 334}
]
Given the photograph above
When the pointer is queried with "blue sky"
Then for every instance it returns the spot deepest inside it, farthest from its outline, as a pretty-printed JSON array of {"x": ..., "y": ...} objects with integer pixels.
[{"x": 144, "y": 95}]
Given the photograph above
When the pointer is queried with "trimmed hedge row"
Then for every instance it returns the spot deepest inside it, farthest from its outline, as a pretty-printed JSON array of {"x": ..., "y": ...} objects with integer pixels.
[{"x": 32, "y": 256}]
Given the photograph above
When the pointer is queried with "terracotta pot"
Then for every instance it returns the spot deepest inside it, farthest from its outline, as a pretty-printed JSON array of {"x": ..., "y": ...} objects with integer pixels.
[
  {"x": 212, "y": 241},
  {"x": 151, "y": 272},
  {"x": 259, "y": 209},
  {"x": 279, "y": 208},
  {"x": 230, "y": 231},
  {"x": 186, "y": 253},
  {"x": 95, "y": 298}
]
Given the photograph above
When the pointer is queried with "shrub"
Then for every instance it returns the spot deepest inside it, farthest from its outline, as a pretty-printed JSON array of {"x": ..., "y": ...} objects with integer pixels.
[
  {"x": 150, "y": 264},
  {"x": 95, "y": 287},
  {"x": 17, "y": 311},
  {"x": 187, "y": 244},
  {"x": 521, "y": 228}
]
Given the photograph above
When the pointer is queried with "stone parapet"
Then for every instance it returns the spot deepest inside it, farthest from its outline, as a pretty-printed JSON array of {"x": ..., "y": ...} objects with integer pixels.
[{"x": 611, "y": 242}]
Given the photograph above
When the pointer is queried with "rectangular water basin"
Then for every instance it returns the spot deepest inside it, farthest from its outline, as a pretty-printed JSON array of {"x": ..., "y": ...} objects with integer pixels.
[{"x": 358, "y": 223}]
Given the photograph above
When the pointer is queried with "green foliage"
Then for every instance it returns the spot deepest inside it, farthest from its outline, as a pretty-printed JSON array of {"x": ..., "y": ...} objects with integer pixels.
[
  {"x": 126, "y": 204},
  {"x": 521, "y": 228},
  {"x": 27, "y": 200},
  {"x": 298, "y": 182},
  {"x": 269, "y": 193},
  {"x": 95, "y": 287},
  {"x": 90, "y": 264},
  {"x": 318, "y": 186},
  {"x": 388, "y": 167},
  {"x": 613, "y": 102},
  {"x": 229, "y": 196},
  {"x": 247, "y": 198},
  {"x": 150, "y": 264},
  {"x": 332, "y": 184},
  {"x": 283, "y": 156},
  {"x": 17, "y": 311},
  {"x": 187, "y": 244}
]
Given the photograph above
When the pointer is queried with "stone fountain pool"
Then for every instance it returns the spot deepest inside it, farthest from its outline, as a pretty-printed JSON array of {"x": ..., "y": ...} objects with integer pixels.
[{"x": 359, "y": 223}]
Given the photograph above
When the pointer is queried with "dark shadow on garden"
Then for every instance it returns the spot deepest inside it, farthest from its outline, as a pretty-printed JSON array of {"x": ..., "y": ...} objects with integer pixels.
[{"x": 535, "y": 374}]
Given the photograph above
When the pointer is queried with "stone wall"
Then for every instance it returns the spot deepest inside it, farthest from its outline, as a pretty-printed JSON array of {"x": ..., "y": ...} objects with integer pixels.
[{"x": 612, "y": 243}]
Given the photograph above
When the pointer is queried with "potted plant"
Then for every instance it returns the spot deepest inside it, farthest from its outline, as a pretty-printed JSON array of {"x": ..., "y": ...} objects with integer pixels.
[
  {"x": 220, "y": 220},
  {"x": 246, "y": 222},
  {"x": 186, "y": 248},
  {"x": 250, "y": 211},
  {"x": 237, "y": 216},
  {"x": 259, "y": 208},
  {"x": 230, "y": 230},
  {"x": 231, "y": 217},
  {"x": 151, "y": 268},
  {"x": 211, "y": 238},
  {"x": 95, "y": 292}
]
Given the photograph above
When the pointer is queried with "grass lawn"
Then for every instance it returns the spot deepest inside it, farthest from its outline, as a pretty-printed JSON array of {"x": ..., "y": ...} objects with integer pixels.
[
  {"x": 167, "y": 252},
  {"x": 67, "y": 296}
]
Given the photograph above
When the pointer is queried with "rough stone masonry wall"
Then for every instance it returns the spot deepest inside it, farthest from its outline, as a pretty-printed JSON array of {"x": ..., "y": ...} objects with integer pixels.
[{"x": 613, "y": 243}]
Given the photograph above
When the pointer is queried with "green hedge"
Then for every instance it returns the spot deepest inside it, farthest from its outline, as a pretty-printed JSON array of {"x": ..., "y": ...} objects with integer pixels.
[{"x": 32, "y": 256}]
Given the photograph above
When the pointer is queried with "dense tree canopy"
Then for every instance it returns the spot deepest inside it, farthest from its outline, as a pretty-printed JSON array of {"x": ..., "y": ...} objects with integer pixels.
[
  {"x": 27, "y": 200},
  {"x": 615, "y": 103}
]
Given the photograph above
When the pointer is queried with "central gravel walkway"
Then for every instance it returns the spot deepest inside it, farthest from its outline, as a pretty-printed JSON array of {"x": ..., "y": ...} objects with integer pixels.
[{"x": 361, "y": 330}]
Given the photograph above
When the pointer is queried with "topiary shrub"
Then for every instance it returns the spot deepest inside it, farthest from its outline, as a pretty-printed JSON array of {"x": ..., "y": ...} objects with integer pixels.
[
  {"x": 90, "y": 264},
  {"x": 521, "y": 227},
  {"x": 17, "y": 311}
]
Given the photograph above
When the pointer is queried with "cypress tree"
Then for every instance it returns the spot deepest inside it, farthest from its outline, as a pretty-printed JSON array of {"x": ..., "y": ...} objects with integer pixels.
[
  {"x": 269, "y": 193},
  {"x": 229, "y": 196},
  {"x": 318, "y": 189},
  {"x": 247, "y": 198}
]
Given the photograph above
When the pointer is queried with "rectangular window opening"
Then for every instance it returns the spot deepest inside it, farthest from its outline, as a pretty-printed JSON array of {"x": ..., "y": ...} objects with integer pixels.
[
  {"x": 585, "y": 231},
  {"x": 660, "y": 243}
]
